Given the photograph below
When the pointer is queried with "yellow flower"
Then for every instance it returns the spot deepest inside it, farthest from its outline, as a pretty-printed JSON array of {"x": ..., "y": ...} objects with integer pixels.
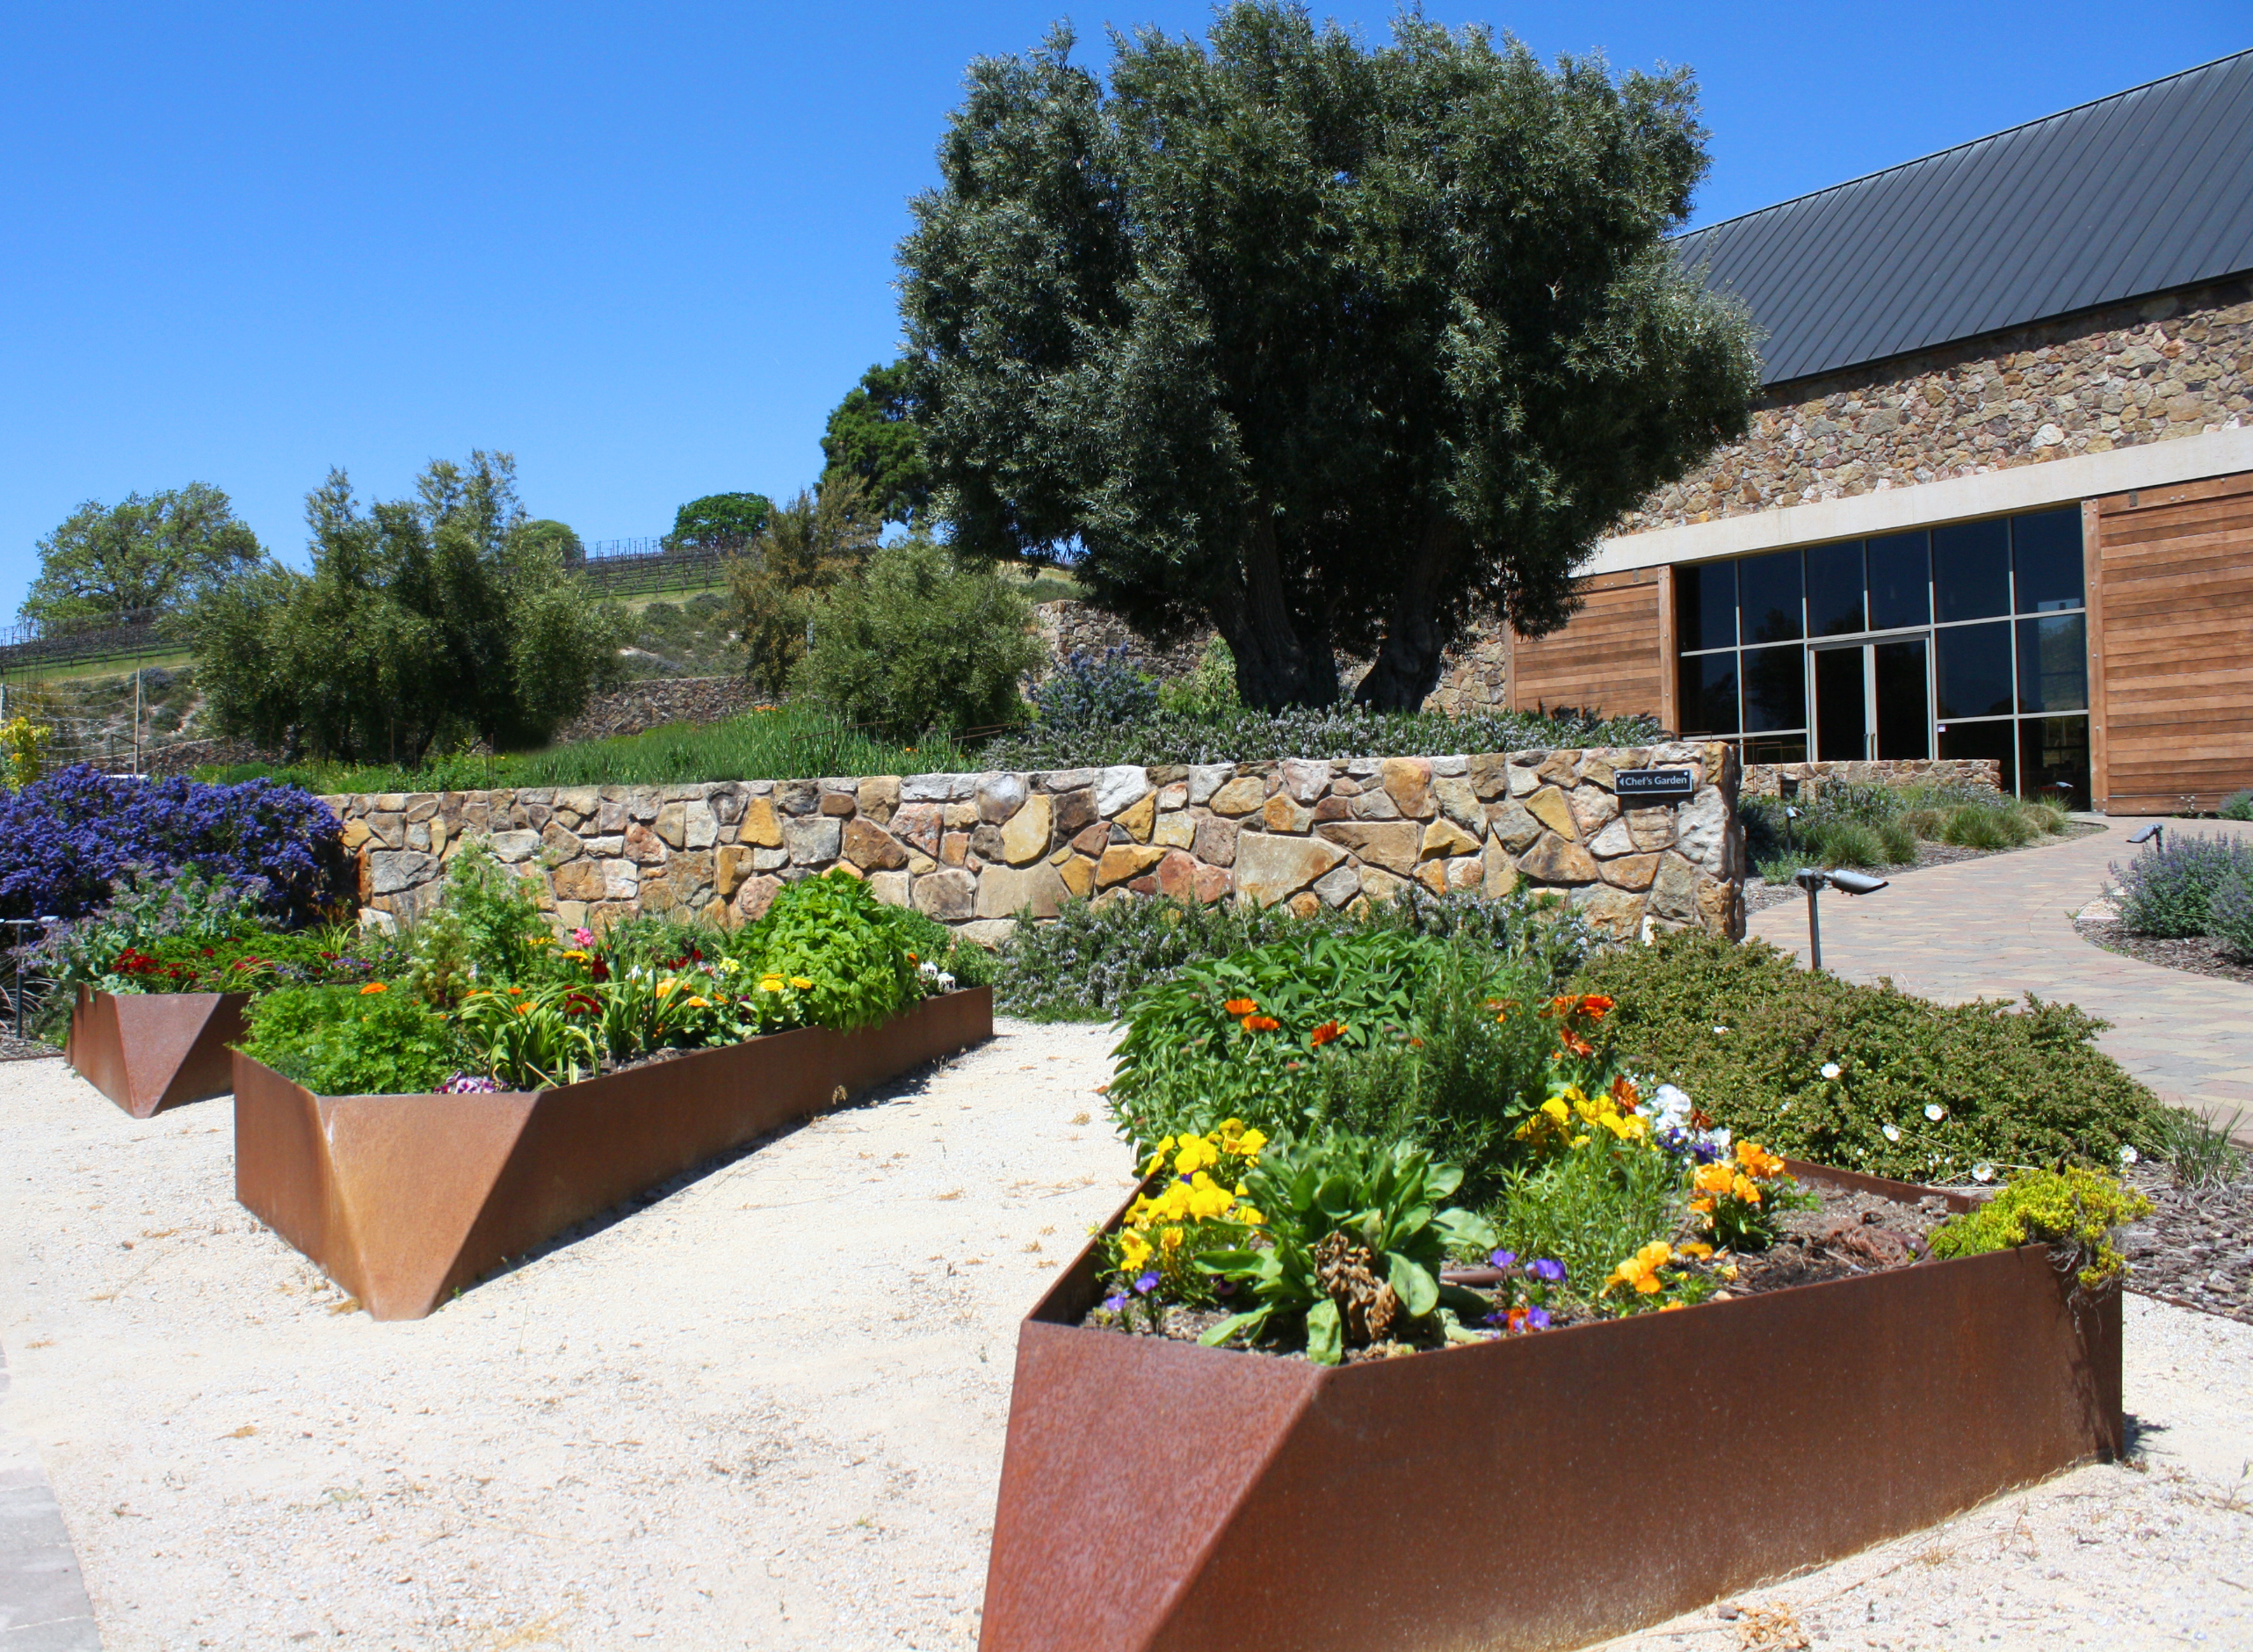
[
  {"x": 700, "y": 1003},
  {"x": 1251, "y": 1143},
  {"x": 1171, "y": 1239},
  {"x": 1700, "y": 1252},
  {"x": 770, "y": 984},
  {"x": 1158, "y": 1156},
  {"x": 1196, "y": 1152},
  {"x": 665, "y": 987},
  {"x": 729, "y": 965},
  {"x": 1250, "y": 1217},
  {"x": 576, "y": 954},
  {"x": 1133, "y": 1251},
  {"x": 801, "y": 982}
]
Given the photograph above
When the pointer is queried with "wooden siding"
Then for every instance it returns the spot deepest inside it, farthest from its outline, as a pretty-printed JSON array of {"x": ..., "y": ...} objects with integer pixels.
[
  {"x": 1610, "y": 656},
  {"x": 2172, "y": 611}
]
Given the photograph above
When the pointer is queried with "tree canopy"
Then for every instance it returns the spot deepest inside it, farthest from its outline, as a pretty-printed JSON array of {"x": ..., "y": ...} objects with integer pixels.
[
  {"x": 1334, "y": 348},
  {"x": 724, "y": 520},
  {"x": 440, "y": 617},
  {"x": 150, "y": 554},
  {"x": 872, "y": 437},
  {"x": 818, "y": 540}
]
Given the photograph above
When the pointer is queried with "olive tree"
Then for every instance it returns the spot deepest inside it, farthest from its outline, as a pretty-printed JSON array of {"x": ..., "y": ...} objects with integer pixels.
[{"x": 1334, "y": 348}]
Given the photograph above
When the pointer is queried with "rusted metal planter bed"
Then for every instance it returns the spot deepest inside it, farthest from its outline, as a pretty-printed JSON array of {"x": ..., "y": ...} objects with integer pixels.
[
  {"x": 150, "y": 1051},
  {"x": 1541, "y": 1491},
  {"x": 402, "y": 1198}
]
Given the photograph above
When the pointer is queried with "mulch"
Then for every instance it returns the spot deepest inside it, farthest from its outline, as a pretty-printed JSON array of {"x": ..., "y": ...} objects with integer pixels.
[
  {"x": 2196, "y": 1249},
  {"x": 2199, "y": 954},
  {"x": 15, "y": 1049}
]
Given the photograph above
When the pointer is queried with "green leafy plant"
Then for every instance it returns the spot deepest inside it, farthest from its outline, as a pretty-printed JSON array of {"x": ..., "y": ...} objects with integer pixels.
[
  {"x": 487, "y": 929},
  {"x": 528, "y": 1038},
  {"x": 833, "y": 931},
  {"x": 1592, "y": 1202},
  {"x": 366, "y": 1040},
  {"x": 2073, "y": 1211},
  {"x": 2237, "y": 805},
  {"x": 1355, "y": 1237},
  {"x": 1868, "y": 1078}
]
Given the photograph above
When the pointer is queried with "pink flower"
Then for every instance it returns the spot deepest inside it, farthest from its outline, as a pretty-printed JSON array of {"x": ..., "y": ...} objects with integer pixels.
[{"x": 583, "y": 938}]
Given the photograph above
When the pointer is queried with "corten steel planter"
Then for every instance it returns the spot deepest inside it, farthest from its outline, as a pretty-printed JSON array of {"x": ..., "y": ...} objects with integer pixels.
[
  {"x": 1535, "y": 1492},
  {"x": 401, "y": 1199},
  {"x": 150, "y": 1051}
]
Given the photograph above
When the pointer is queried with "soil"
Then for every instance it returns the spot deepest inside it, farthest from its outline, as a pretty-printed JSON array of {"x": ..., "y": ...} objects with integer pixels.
[
  {"x": 2199, "y": 954},
  {"x": 1760, "y": 895},
  {"x": 2196, "y": 1249},
  {"x": 1849, "y": 1232},
  {"x": 15, "y": 1049}
]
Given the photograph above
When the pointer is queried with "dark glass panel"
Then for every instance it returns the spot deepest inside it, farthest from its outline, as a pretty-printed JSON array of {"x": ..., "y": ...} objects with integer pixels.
[
  {"x": 1709, "y": 694},
  {"x": 1971, "y": 569},
  {"x": 1900, "y": 575},
  {"x": 1974, "y": 740},
  {"x": 2056, "y": 749},
  {"x": 1767, "y": 596},
  {"x": 1776, "y": 748},
  {"x": 1704, "y": 607},
  {"x": 1835, "y": 589},
  {"x": 1974, "y": 674},
  {"x": 1841, "y": 714},
  {"x": 2046, "y": 551},
  {"x": 2054, "y": 663},
  {"x": 1775, "y": 689},
  {"x": 1904, "y": 708}
]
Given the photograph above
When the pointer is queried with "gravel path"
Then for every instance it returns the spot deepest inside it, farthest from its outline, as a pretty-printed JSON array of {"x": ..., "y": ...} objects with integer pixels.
[{"x": 765, "y": 1411}]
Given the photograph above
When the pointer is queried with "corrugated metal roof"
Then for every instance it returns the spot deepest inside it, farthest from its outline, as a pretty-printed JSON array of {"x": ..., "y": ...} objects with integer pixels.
[{"x": 2144, "y": 191}]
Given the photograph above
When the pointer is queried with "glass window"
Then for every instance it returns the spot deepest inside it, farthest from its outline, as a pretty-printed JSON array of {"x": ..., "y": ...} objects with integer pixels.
[
  {"x": 2054, "y": 663},
  {"x": 2045, "y": 550},
  {"x": 1900, "y": 581},
  {"x": 1709, "y": 694},
  {"x": 1971, "y": 569},
  {"x": 1975, "y": 671},
  {"x": 1704, "y": 607},
  {"x": 1776, "y": 748},
  {"x": 1775, "y": 689},
  {"x": 1973, "y": 740},
  {"x": 1767, "y": 598},
  {"x": 1834, "y": 588},
  {"x": 2054, "y": 753}
]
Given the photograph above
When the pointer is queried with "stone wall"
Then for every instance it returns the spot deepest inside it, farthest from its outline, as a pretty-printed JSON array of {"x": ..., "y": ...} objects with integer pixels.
[
  {"x": 974, "y": 850},
  {"x": 1760, "y": 778},
  {"x": 2143, "y": 372},
  {"x": 1069, "y": 627},
  {"x": 656, "y": 701}
]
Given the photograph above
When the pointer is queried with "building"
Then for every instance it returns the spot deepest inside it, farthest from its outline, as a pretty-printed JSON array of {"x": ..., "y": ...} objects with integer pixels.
[{"x": 1997, "y": 498}]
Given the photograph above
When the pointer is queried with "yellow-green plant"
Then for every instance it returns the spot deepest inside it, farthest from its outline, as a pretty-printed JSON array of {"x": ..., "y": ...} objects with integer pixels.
[
  {"x": 2074, "y": 1212},
  {"x": 23, "y": 750}
]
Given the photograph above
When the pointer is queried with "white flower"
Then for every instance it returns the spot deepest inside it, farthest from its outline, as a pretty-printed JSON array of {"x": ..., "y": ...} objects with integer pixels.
[
  {"x": 1831, "y": 1069},
  {"x": 1892, "y": 1132},
  {"x": 1720, "y": 1029},
  {"x": 1982, "y": 1172},
  {"x": 1935, "y": 1111},
  {"x": 2128, "y": 1156}
]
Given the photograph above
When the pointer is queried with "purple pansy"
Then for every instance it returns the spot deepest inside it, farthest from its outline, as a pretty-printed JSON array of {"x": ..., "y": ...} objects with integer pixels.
[{"x": 1547, "y": 1270}]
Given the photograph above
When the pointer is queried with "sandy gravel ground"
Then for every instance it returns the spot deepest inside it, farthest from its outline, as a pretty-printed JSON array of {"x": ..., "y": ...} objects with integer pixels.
[{"x": 765, "y": 1411}]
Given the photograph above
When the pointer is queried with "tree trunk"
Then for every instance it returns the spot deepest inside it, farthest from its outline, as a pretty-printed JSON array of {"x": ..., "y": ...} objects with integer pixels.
[
  {"x": 1275, "y": 666},
  {"x": 1407, "y": 667}
]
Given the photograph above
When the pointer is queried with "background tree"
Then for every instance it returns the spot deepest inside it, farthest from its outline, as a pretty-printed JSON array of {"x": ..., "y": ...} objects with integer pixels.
[
  {"x": 724, "y": 521},
  {"x": 152, "y": 554},
  {"x": 817, "y": 540},
  {"x": 548, "y": 534},
  {"x": 920, "y": 642},
  {"x": 1334, "y": 349},
  {"x": 871, "y": 437},
  {"x": 435, "y": 619}
]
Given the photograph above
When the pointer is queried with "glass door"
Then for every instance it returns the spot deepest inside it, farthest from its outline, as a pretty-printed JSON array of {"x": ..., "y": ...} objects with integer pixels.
[
  {"x": 1874, "y": 699},
  {"x": 1901, "y": 673},
  {"x": 1841, "y": 703}
]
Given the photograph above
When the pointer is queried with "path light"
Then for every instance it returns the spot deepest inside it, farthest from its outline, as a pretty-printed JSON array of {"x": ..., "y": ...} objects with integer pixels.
[
  {"x": 1812, "y": 879},
  {"x": 2154, "y": 834}
]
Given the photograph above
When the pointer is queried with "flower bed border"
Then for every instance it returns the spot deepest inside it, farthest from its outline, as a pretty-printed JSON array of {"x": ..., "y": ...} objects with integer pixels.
[
  {"x": 401, "y": 1199},
  {"x": 150, "y": 1051},
  {"x": 1533, "y": 1493}
]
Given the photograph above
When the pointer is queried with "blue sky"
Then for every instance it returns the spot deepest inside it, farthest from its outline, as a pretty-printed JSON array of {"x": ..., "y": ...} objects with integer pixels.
[{"x": 648, "y": 249}]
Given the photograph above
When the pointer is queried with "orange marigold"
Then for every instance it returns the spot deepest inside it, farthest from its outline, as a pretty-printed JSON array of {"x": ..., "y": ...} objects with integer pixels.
[
  {"x": 1261, "y": 1024},
  {"x": 1324, "y": 1033},
  {"x": 1242, "y": 1006}
]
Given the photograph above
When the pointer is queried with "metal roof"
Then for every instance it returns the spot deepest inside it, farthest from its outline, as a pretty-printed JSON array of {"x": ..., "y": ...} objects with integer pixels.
[{"x": 2146, "y": 190}]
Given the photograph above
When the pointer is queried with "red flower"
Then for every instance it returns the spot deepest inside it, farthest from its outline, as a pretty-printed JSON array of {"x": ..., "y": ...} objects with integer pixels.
[
  {"x": 1324, "y": 1033},
  {"x": 1576, "y": 1044},
  {"x": 1261, "y": 1024},
  {"x": 1595, "y": 1005},
  {"x": 1624, "y": 1092}
]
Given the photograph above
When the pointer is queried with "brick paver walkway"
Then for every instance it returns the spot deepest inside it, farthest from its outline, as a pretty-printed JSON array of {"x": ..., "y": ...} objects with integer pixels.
[{"x": 2001, "y": 926}]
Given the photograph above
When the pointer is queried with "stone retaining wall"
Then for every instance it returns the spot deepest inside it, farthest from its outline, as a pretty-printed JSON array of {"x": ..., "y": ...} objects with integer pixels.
[
  {"x": 1760, "y": 778},
  {"x": 974, "y": 851}
]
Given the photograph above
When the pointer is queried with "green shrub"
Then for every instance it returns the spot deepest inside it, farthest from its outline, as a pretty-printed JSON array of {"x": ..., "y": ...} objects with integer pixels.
[
  {"x": 2238, "y": 805},
  {"x": 1850, "y": 843},
  {"x": 1749, "y": 1033},
  {"x": 1210, "y": 688},
  {"x": 486, "y": 929},
  {"x": 1590, "y": 1206},
  {"x": 1897, "y": 839},
  {"x": 2199, "y": 1150},
  {"x": 1245, "y": 734},
  {"x": 1926, "y": 823},
  {"x": 833, "y": 931},
  {"x": 2073, "y": 1211},
  {"x": 354, "y": 1040},
  {"x": 919, "y": 642},
  {"x": 2169, "y": 890}
]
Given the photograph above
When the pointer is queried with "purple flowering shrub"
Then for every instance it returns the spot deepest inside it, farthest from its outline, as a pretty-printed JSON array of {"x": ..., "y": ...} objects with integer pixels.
[{"x": 66, "y": 841}]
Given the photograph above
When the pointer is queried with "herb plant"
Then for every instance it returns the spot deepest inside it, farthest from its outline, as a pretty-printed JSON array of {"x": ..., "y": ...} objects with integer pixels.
[{"x": 2073, "y": 1211}]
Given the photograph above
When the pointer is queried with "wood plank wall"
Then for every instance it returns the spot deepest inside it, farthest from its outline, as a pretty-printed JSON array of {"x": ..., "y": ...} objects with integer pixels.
[
  {"x": 1612, "y": 655},
  {"x": 2172, "y": 610}
]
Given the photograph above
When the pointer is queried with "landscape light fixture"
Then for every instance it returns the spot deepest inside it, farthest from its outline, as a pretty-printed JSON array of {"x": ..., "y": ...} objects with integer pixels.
[
  {"x": 1812, "y": 879},
  {"x": 2153, "y": 834}
]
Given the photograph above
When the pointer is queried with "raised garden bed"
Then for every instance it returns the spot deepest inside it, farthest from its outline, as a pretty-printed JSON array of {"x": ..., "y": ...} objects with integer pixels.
[
  {"x": 1532, "y": 1492},
  {"x": 401, "y": 1199},
  {"x": 150, "y": 1051}
]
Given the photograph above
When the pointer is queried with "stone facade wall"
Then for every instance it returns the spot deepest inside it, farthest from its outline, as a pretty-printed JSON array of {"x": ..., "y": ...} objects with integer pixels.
[
  {"x": 1760, "y": 778},
  {"x": 2143, "y": 372},
  {"x": 974, "y": 850}
]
